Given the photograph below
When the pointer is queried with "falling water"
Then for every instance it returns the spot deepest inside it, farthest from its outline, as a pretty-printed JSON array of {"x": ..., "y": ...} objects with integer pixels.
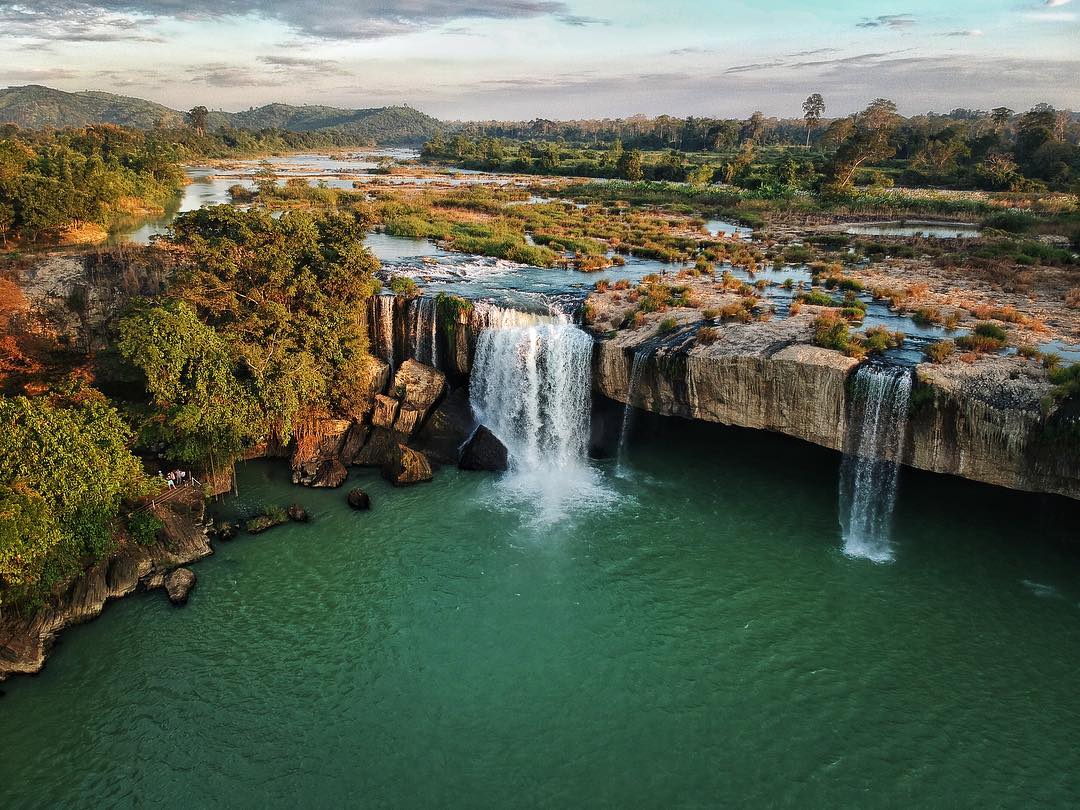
[
  {"x": 491, "y": 316},
  {"x": 382, "y": 327},
  {"x": 423, "y": 335},
  {"x": 636, "y": 368},
  {"x": 874, "y": 443},
  {"x": 530, "y": 385}
]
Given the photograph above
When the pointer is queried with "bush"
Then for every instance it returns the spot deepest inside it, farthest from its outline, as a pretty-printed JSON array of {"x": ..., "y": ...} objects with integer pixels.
[
  {"x": 404, "y": 287},
  {"x": 991, "y": 330},
  {"x": 667, "y": 325},
  {"x": 143, "y": 527},
  {"x": 939, "y": 352},
  {"x": 927, "y": 316},
  {"x": 708, "y": 335}
]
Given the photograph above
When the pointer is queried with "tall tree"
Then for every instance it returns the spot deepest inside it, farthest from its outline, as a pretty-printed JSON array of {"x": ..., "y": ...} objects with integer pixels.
[
  {"x": 197, "y": 118},
  {"x": 813, "y": 108}
]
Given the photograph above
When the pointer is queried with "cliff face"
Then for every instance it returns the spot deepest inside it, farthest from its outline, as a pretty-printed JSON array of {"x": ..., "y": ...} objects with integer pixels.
[
  {"x": 981, "y": 421},
  {"x": 25, "y": 641}
]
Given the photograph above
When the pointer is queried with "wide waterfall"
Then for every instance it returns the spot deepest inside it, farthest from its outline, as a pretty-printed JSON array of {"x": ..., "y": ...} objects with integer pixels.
[
  {"x": 871, "y": 465},
  {"x": 530, "y": 385},
  {"x": 636, "y": 368}
]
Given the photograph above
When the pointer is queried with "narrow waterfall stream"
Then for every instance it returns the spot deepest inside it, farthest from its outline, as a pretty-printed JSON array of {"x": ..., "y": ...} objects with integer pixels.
[
  {"x": 530, "y": 385},
  {"x": 871, "y": 465},
  {"x": 641, "y": 356},
  {"x": 382, "y": 323},
  {"x": 422, "y": 320}
]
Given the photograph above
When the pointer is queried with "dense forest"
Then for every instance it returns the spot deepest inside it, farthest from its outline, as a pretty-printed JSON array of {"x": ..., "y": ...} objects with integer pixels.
[
  {"x": 997, "y": 150},
  {"x": 260, "y": 326}
]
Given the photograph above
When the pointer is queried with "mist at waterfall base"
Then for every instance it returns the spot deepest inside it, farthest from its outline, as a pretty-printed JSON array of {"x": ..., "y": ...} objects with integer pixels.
[
  {"x": 870, "y": 470},
  {"x": 702, "y": 641},
  {"x": 531, "y": 386}
]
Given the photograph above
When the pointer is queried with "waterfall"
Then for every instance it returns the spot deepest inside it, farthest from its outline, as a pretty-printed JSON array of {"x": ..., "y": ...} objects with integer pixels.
[
  {"x": 530, "y": 385},
  {"x": 874, "y": 443},
  {"x": 423, "y": 324},
  {"x": 641, "y": 356},
  {"x": 382, "y": 328},
  {"x": 492, "y": 316}
]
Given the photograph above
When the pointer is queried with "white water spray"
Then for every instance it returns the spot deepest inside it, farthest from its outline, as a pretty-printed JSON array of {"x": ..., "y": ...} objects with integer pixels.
[
  {"x": 530, "y": 385},
  {"x": 871, "y": 465}
]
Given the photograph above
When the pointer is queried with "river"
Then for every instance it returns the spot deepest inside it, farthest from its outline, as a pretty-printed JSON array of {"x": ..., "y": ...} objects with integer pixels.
[{"x": 698, "y": 638}]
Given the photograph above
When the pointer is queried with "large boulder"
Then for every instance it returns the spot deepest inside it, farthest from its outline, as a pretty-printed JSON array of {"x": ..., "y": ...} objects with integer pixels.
[
  {"x": 484, "y": 451},
  {"x": 447, "y": 428},
  {"x": 178, "y": 585},
  {"x": 354, "y": 442},
  {"x": 386, "y": 411},
  {"x": 418, "y": 387},
  {"x": 406, "y": 466},
  {"x": 358, "y": 499}
]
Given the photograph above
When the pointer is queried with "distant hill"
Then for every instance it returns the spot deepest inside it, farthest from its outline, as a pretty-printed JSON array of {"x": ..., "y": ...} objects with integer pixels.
[{"x": 37, "y": 107}]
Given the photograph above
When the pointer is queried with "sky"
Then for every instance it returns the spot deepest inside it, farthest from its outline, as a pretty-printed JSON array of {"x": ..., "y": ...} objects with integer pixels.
[{"x": 522, "y": 59}]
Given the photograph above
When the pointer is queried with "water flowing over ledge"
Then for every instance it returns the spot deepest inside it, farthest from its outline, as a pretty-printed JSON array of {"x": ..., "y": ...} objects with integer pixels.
[{"x": 871, "y": 465}]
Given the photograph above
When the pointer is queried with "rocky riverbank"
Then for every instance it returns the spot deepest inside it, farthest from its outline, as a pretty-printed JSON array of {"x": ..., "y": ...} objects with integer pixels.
[{"x": 25, "y": 641}]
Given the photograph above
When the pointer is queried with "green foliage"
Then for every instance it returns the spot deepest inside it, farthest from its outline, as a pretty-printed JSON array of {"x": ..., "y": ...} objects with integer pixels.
[
  {"x": 144, "y": 527},
  {"x": 667, "y": 325},
  {"x": 52, "y": 181},
  {"x": 404, "y": 287},
  {"x": 65, "y": 466},
  {"x": 201, "y": 407},
  {"x": 991, "y": 330},
  {"x": 939, "y": 352}
]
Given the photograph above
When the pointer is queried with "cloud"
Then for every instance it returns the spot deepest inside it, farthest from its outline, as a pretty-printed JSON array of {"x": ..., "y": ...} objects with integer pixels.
[
  {"x": 324, "y": 19},
  {"x": 1051, "y": 16},
  {"x": 80, "y": 23},
  {"x": 888, "y": 21},
  {"x": 34, "y": 75},
  {"x": 220, "y": 74},
  {"x": 1056, "y": 3},
  {"x": 973, "y": 32}
]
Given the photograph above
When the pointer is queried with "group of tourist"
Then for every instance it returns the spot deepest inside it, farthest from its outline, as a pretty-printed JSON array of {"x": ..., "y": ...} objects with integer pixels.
[{"x": 177, "y": 478}]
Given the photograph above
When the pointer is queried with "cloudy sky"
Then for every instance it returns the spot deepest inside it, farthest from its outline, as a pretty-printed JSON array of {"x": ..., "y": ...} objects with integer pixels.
[{"x": 553, "y": 58}]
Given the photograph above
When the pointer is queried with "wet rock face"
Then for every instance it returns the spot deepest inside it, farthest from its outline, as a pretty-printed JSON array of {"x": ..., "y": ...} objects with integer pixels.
[
  {"x": 484, "y": 451},
  {"x": 418, "y": 387},
  {"x": 406, "y": 466},
  {"x": 178, "y": 585},
  {"x": 329, "y": 473}
]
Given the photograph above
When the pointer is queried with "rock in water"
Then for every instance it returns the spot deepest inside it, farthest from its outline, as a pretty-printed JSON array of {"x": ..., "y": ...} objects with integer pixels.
[
  {"x": 447, "y": 428},
  {"x": 484, "y": 451},
  {"x": 178, "y": 585},
  {"x": 358, "y": 499},
  {"x": 406, "y": 466},
  {"x": 297, "y": 513}
]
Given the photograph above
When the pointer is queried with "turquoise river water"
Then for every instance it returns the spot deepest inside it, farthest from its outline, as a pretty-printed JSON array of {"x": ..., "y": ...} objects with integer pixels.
[{"x": 688, "y": 634}]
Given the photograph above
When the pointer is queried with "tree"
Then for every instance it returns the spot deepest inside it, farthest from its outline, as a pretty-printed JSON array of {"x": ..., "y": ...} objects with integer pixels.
[
  {"x": 813, "y": 108},
  {"x": 197, "y": 119},
  {"x": 1001, "y": 116},
  {"x": 869, "y": 142},
  {"x": 753, "y": 130},
  {"x": 630, "y": 166}
]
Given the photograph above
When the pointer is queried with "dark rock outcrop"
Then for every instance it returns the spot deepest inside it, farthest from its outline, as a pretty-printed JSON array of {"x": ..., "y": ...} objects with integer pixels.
[
  {"x": 406, "y": 466},
  {"x": 360, "y": 500},
  {"x": 420, "y": 387},
  {"x": 379, "y": 445},
  {"x": 484, "y": 451},
  {"x": 329, "y": 473},
  {"x": 178, "y": 585},
  {"x": 447, "y": 428},
  {"x": 297, "y": 513}
]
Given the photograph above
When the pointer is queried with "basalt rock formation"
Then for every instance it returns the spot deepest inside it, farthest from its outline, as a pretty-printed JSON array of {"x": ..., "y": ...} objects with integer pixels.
[
  {"x": 25, "y": 640},
  {"x": 984, "y": 421}
]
